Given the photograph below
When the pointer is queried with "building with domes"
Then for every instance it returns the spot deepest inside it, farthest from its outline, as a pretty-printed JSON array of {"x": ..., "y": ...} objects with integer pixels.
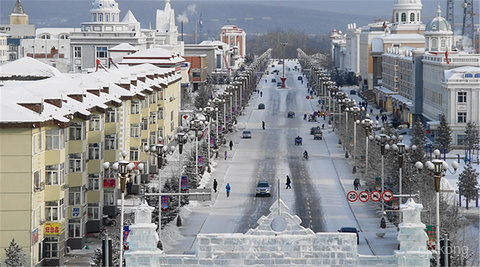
[
  {"x": 438, "y": 34},
  {"x": 406, "y": 17},
  {"x": 105, "y": 30}
]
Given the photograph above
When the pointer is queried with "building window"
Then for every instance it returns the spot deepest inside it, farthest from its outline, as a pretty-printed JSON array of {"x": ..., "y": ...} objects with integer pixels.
[
  {"x": 172, "y": 126},
  {"x": 396, "y": 17},
  {"x": 404, "y": 17},
  {"x": 51, "y": 246},
  {"x": 76, "y": 162},
  {"x": 45, "y": 36},
  {"x": 171, "y": 115},
  {"x": 111, "y": 115},
  {"x": 412, "y": 17},
  {"x": 111, "y": 142},
  {"x": 134, "y": 154},
  {"x": 95, "y": 151},
  {"x": 78, "y": 130},
  {"x": 196, "y": 74},
  {"x": 153, "y": 98},
  {"x": 462, "y": 97},
  {"x": 144, "y": 143},
  {"x": 37, "y": 140},
  {"x": 55, "y": 174},
  {"x": 55, "y": 210},
  {"x": 434, "y": 43},
  {"x": 109, "y": 198},
  {"x": 77, "y": 51},
  {"x": 93, "y": 212},
  {"x": 153, "y": 138},
  {"x": 107, "y": 17},
  {"x": 100, "y": 17},
  {"x": 144, "y": 102},
  {"x": 442, "y": 42},
  {"x": 75, "y": 196},
  {"x": 160, "y": 113},
  {"x": 462, "y": 117},
  {"x": 153, "y": 117},
  {"x": 75, "y": 228},
  {"x": 468, "y": 75},
  {"x": 55, "y": 139},
  {"x": 144, "y": 124},
  {"x": 94, "y": 181},
  {"x": 102, "y": 52},
  {"x": 96, "y": 122},
  {"x": 134, "y": 130},
  {"x": 135, "y": 107},
  {"x": 461, "y": 139}
]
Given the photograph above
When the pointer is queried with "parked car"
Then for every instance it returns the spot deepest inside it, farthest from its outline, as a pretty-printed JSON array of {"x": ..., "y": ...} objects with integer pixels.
[
  {"x": 279, "y": 83},
  {"x": 263, "y": 189},
  {"x": 291, "y": 114},
  {"x": 299, "y": 78},
  {"x": 246, "y": 134},
  {"x": 353, "y": 92},
  {"x": 261, "y": 106},
  {"x": 318, "y": 136},
  {"x": 350, "y": 230},
  {"x": 274, "y": 81}
]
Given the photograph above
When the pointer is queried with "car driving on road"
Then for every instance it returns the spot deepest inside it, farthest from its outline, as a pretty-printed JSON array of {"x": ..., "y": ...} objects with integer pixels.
[
  {"x": 350, "y": 230},
  {"x": 247, "y": 134},
  {"x": 263, "y": 189}
]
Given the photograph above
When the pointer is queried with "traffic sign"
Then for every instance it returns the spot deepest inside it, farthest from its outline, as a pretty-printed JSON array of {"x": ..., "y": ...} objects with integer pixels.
[
  {"x": 387, "y": 196},
  {"x": 352, "y": 196},
  {"x": 363, "y": 196},
  {"x": 375, "y": 196}
]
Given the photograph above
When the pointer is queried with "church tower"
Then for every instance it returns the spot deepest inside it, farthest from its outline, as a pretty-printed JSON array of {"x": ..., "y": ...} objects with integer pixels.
[
  {"x": 406, "y": 17},
  {"x": 438, "y": 34},
  {"x": 18, "y": 16}
]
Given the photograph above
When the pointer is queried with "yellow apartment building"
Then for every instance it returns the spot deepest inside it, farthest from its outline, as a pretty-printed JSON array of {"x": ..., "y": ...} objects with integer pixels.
[{"x": 55, "y": 134}]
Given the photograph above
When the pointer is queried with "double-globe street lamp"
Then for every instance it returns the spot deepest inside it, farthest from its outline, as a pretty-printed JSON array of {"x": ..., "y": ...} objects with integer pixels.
[
  {"x": 124, "y": 170},
  {"x": 439, "y": 168},
  {"x": 181, "y": 138},
  {"x": 208, "y": 112}
]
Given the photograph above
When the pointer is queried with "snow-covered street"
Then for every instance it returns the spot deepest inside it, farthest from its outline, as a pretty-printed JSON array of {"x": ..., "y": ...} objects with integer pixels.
[{"x": 319, "y": 184}]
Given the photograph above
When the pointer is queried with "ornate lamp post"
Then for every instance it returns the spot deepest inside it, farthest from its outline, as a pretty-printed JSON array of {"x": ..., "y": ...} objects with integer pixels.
[
  {"x": 158, "y": 150},
  {"x": 123, "y": 169},
  {"x": 197, "y": 125},
  {"x": 208, "y": 111},
  {"x": 439, "y": 168}
]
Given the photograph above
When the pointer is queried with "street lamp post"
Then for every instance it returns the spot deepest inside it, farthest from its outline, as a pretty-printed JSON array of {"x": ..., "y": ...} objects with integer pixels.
[
  {"x": 283, "y": 79},
  {"x": 181, "y": 138},
  {"x": 124, "y": 169},
  {"x": 382, "y": 138},
  {"x": 439, "y": 168}
]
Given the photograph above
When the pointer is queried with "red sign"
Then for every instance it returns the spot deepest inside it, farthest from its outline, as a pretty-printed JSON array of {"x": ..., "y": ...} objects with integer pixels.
[
  {"x": 431, "y": 232},
  {"x": 352, "y": 196},
  {"x": 109, "y": 183},
  {"x": 126, "y": 231},
  {"x": 52, "y": 228},
  {"x": 308, "y": 97},
  {"x": 387, "y": 196},
  {"x": 363, "y": 196},
  {"x": 375, "y": 196}
]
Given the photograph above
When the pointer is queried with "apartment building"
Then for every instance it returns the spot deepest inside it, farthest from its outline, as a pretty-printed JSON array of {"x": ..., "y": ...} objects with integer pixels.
[{"x": 57, "y": 131}]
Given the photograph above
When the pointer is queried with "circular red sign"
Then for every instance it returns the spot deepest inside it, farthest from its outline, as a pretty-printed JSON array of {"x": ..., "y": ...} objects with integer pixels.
[
  {"x": 352, "y": 196},
  {"x": 363, "y": 196},
  {"x": 375, "y": 196},
  {"x": 387, "y": 196},
  {"x": 308, "y": 97}
]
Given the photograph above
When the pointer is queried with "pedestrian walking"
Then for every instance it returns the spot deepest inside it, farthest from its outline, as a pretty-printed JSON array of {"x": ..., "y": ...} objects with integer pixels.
[
  {"x": 371, "y": 110},
  {"x": 231, "y": 144},
  {"x": 356, "y": 183},
  {"x": 225, "y": 154},
  {"x": 261, "y": 93},
  {"x": 215, "y": 184},
  {"x": 228, "y": 189},
  {"x": 288, "y": 183},
  {"x": 377, "y": 117},
  {"x": 263, "y": 125}
]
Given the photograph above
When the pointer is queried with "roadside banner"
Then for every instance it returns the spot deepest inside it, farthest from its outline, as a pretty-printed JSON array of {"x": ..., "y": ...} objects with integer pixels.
[
  {"x": 164, "y": 203},
  {"x": 395, "y": 203},
  {"x": 200, "y": 162},
  {"x": 431, "y": 232},
  {"x": 184, "y": 183},
  {"x": 378, "y": 183}
]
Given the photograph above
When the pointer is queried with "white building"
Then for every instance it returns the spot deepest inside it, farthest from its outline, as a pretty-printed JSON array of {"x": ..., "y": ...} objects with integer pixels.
[
  {"x": 462, "y": 91},
  {"x": 338, "y": 49},
  {"x": 352, "y": 56},
  {"x": 3, "y": 48},
  {"x": 235, "y": 37},
  {"x": 166, "y": 32},
  {"x": 105, "y": 30}
]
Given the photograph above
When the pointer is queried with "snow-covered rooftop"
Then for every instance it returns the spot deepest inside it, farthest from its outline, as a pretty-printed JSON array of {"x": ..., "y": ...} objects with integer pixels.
[
  {"x": 123, "y": 47},
  {"x": 458, "y": 73},
  {"x": 28, "y": 67}
]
